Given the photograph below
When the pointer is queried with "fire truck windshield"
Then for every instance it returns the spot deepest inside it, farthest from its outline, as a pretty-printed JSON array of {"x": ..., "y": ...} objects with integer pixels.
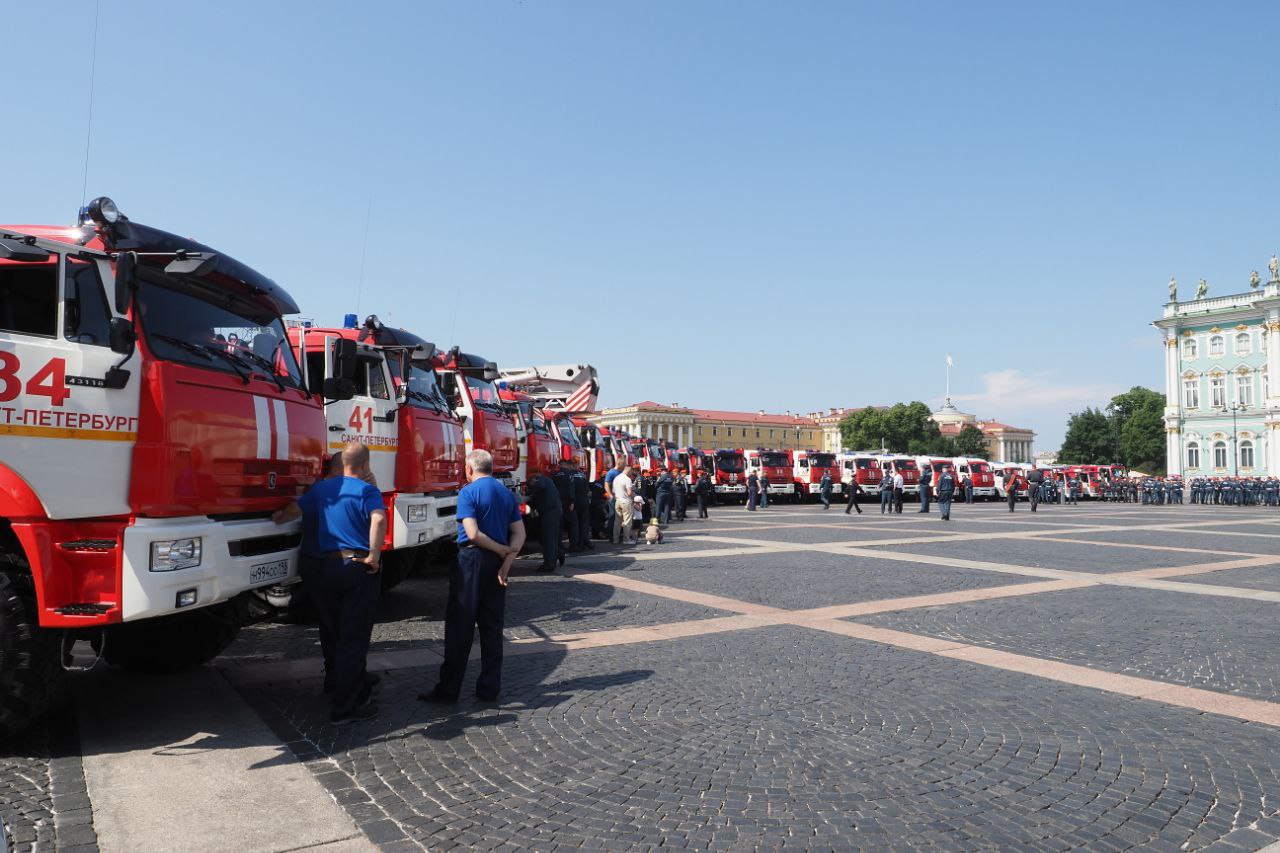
[
  {"x": 657, "y": 452},
  {"x": 904, "y": 464},
  {"x": 981, "y": 468},
  {"x": 822, "y": 460},
  {"x": 422, "y": 388},
  {"x": 864, "y": 463},
  {"x": 240, "y": 339},
  {"x": 773, "y": 460},
  {"x": 729, "y": 463},
  {"x": 565, "y": 428},
  {"x": 534, "y": 420},
  {"x": 483, "y": 394}
]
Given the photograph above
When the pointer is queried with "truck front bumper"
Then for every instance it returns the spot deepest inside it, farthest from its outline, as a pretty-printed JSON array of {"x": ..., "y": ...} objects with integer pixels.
[{"x": 420, "y": 519}]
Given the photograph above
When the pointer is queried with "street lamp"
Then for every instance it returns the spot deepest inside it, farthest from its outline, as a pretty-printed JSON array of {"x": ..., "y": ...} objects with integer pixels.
[{"x": 1234, "y": 408}]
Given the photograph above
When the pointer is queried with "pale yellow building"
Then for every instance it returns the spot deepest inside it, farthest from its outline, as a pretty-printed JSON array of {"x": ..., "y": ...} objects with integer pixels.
[{"x": 712, "y": 428}]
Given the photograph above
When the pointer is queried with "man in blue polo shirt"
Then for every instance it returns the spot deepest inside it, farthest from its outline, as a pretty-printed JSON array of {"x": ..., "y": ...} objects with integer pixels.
[
  {"x": 490, "y": 534},
  {"x": 343, "y": 525}
]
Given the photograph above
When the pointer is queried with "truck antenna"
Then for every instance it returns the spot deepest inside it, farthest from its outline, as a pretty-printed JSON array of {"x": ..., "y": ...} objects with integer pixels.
[
  {"x": 93, "y": 70},
  {"x": 364, "y": 246}
]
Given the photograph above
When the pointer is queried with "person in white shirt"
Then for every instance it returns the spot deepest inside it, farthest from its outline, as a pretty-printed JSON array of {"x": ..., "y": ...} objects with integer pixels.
[
  {"x": 898, "y": 484},
  {"x": 624, "y": 509}
]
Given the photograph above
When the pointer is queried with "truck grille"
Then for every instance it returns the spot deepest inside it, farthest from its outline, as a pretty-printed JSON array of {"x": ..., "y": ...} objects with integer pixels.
[
  {"x": 264, "y": 544},
  {"x": 88, "y": 545}
]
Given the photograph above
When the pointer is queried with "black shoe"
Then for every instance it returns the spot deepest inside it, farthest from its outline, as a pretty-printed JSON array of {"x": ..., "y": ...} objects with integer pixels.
[
  {"x": 436, "y": 697},
  {"x": 560, "y": 559},
  {"x": 546, "y": 570},
  {"x": 371, "y": 682},
  {"x": 367, "y": 711},
  {"x": 487, "y": 697}
]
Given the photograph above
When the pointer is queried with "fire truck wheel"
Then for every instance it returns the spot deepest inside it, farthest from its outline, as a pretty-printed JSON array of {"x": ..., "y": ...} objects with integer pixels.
[
  {"x": 171, "y": 643},
  {"x": 396, "y": 566},
  {"x": 32, "y": 682}
]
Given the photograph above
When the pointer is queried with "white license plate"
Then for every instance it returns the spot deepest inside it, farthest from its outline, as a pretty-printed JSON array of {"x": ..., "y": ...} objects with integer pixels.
[{"x": 264, "y": 572}]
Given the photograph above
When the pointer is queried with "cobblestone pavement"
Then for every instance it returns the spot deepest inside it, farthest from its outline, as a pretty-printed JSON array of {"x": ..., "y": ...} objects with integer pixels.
[
  {"x": 1073, "y": 679},
  {"x": 42, "y": 792}
]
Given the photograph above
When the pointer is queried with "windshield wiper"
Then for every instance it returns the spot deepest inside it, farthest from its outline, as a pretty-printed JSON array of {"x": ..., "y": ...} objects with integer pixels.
[
  {"x": 194, "y": 349},
  {"x": 230, "y": 359},
  {"x": 267, "y": 366}
]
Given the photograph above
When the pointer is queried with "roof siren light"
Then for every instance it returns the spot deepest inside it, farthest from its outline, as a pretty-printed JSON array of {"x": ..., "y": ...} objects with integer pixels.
[{"x": 102, "y": 210}]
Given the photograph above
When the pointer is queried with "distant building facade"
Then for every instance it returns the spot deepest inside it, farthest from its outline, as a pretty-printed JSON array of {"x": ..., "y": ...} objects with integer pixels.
[
  {"x": 711, "y": 428},
  {"x": 1221, "y": 415},
  {"x": 1005, "y": 443}
]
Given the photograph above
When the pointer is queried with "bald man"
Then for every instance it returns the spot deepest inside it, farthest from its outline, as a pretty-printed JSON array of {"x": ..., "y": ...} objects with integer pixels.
[{"x": 343, "y": 526}]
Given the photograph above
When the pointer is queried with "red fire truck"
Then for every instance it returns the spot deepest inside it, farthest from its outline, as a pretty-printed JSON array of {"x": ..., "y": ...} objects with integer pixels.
[
  {"x": 774, "y": 464},
  {"x": 728, "y": 472},
  {"x": 400, "y": 413},
  {"x": 862, "y": 470},
  {"x": 693, "y": 461},
  {"x": 810, "y": 465},
  {"x": 650, "y": 455},
  {"x": 539, "y": 450},
  {"x": 896, "y": 463},
  {"x": 598, "y": 448},
  {"x": 980, "y": 474},
  {"x": 566, "y": 435},
  {"x": 152, "y": 417},
  {"x": 468, "y": 383}
]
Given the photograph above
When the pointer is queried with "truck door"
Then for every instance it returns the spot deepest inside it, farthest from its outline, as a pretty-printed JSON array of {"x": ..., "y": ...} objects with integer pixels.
[
  {"x": 62, "y": 431},
  {"x": 370, "y": 416}
]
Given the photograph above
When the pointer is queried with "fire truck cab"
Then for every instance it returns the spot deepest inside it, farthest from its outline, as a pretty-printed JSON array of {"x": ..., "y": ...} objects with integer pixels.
[
  {"x": 728, "y": 472},
  {"x": 862, "y": 470},
  {"x": 539, "y": 450},
  {"x": 774, "y": 464},
  {"x": 894, "y": 463},
  {"x": 399, "y": 412},
  {"x": 808, "y": 468},
  {"x": 651, "y": 456},
  {"x": 980, "y": 474},
  {"x": 468, "y": 383},
  {"x": 152, "y": 417},
  {"x": 598, "y": 448}
]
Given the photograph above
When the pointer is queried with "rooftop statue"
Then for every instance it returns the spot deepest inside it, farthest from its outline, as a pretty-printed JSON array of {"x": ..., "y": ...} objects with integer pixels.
[
  {"x": 1274, "y": 266},
  {"x": 1202, "y": 289},
  {"x": 1254, "y": 279},
  {"x": 1173, "y": 289}
]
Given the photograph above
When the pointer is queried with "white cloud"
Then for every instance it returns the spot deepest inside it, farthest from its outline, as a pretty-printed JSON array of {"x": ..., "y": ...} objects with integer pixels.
[{"x": 1032, "y": 399}]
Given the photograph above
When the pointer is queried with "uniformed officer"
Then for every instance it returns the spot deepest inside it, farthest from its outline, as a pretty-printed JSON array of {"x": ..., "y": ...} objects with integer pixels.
[
  {"x": 753, "y": 491},
  {"x": 563, "y": 482},
  {"x": 681, "y": 494},
  {"x": 854, "y": 491},
  {"x": 490, "y": 534},
  {"x": 664, "y": 494},
  {"x": 703, "y": 490},
  {"x": 764, "y": 490},
  {"x": 824, "y": 489},
  {"x": 1035, "y": 479},
  {"x": 1073, "y": 488},
  {"x": 926, "y": 488},
  {"x": 886, "y": 494},
  {"x": 946, "y": 491},
  {"x": 581, "y": 506},
  {"x": 344, "y": 523},
  {"x": 544, "y": 498}
]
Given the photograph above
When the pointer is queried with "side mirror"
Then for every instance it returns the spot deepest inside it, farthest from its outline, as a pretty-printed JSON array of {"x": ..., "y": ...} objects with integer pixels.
[
  {"x": 491, "y": 371},
  {"x": 121, "y": 336},
  {"x": 449, "y": 385},
  {"x": 344, "y": 363},
  {"x": 16, "y": 250},
  {"x": 126, "y": 280},
  {"x": 335, "y": 388}
]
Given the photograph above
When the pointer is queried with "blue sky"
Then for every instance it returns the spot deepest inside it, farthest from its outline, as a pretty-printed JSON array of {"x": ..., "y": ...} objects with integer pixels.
[{"x": 722, "y": 204}]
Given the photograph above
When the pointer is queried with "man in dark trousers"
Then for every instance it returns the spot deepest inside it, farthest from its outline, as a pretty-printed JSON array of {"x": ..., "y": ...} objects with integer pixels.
[
  {"x": 854, "y": 491},
  {"x": 681, "y": 495},
  {"x": 824, "y": 489},
  {"x": 581, "y": 506},
  {"x": 926, "y": 488},
  {"x": 664, "y": 493},
  {"x": 753, "y": 491},
  {"x": 886, "y": 494},
  {"x": 544, "y": 498},
  {"x": 490, "y": 534},
  {"x": 563, "y": 480},
  {"x": 967, "y": 485},
  {"x": 343, "y": 525},
  {"x": 1035, "y": 479},
  {"x": 703, "y": 490},
  {"x": 764, "y": 490},
  {"x": 1011, "y": 483},
  {"x": 946, "y": 491}
]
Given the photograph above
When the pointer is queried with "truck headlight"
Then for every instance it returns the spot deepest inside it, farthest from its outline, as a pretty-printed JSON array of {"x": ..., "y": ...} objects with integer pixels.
[
  {"x": 417, "y": 512},
  {"x": 175, "y": 554}
]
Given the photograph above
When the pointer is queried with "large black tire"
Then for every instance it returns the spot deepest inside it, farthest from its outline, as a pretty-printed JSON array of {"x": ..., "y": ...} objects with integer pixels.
[
  {"x": 180, "y": 641},
  {"x": 397, "y": 565},
  {"x": 32, "y": 682}
]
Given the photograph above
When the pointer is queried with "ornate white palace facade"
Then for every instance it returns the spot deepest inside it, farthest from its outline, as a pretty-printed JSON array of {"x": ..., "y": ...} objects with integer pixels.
[{"x": 1222, "y": 413}]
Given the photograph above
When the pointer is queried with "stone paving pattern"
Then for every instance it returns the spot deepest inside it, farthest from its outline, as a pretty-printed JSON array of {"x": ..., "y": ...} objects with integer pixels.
[
  {"x": 788, "y": 729},
  {"x": 42, "y": 791}
]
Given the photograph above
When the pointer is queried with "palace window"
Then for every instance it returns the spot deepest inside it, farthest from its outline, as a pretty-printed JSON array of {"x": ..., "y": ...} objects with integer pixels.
[
  {"x": 1246, "y": 454},
  {"x": 1191, "y": 393},
  {"x": 1219, "y": 454},
  {"x": 1244, "y": 345},
  {"x": 1193, "y": 455},
  {"x": 1217, "y": 392},
  {"x": 1217, "y": 346},
  {"x": 1244, "y": 390},
  {"x": 714, "y": 431},
  {"x": 1190, "y": 349},
  {"x": 1266, "y": 386}
]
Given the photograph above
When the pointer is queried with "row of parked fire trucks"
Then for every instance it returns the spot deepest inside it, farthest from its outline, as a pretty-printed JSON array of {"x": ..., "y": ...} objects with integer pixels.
[{"x": 156, "y": 408}]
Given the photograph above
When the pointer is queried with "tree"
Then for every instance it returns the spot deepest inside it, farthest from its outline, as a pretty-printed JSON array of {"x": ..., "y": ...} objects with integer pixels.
[
  {"x": 1137, "y": 418},
  {"x": 971, "y": 442},
  {"x": 1089, "y": 439},
  {"x": 901, "y": 427}
]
